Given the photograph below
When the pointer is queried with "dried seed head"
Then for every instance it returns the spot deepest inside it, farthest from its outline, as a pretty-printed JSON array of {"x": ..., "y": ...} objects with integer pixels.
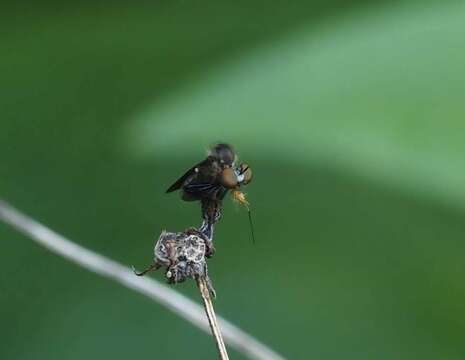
[{"x": 183, "y": 255}]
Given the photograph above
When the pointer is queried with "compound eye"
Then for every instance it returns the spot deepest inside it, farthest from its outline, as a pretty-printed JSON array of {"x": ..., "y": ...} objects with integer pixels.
[
  {"x": 228, "y": 178},
  {"x": 247, "y": 172}
]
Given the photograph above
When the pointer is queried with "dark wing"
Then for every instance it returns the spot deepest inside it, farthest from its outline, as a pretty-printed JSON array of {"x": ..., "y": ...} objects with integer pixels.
[
  {"x": 201, "y": 190},
  {"x": 180, "y": 182}
]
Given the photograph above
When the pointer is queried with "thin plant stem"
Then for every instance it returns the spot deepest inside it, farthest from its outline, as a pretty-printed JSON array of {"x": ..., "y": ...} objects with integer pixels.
[{"x": 210, "y": 311}]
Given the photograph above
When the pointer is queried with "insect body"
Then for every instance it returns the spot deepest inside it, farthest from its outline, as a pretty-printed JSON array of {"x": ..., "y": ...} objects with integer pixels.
[
  {"x": 210, "y": 180},
  {"x": 213, "y": 177}
]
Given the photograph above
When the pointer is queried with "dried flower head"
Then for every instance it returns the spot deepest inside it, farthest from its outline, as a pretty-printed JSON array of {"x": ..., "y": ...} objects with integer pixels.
[{"x": 183, "y": 256}]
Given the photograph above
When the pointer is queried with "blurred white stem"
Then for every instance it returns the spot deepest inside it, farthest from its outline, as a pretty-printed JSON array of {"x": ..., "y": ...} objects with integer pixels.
[{"x": 167, "y": 297}]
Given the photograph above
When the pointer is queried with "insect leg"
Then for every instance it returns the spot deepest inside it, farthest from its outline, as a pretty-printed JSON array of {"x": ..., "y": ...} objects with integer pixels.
[{"x": 154, "y": 266}]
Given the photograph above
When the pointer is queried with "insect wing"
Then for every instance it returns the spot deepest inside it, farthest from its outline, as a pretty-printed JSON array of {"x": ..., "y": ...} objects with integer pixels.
[
  {"x": 202, "y": 189},
  {"x": 182, "y": 180}
]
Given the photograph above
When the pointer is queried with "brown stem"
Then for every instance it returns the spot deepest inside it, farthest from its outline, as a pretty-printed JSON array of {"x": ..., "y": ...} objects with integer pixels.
[{"x": 215, "y": 328}]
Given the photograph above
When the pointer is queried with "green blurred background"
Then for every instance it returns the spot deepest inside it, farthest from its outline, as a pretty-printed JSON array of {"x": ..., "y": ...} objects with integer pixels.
[{"x": 352, "y": 114}]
